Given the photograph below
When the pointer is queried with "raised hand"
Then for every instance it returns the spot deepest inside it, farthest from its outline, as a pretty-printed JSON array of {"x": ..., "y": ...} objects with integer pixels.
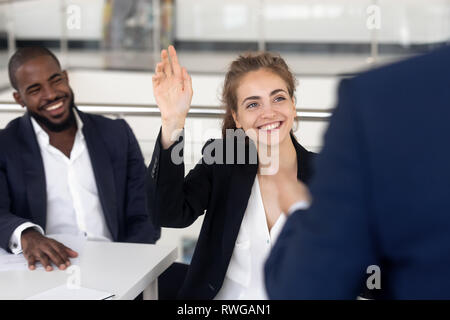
[{"x": 172, "y": 87}]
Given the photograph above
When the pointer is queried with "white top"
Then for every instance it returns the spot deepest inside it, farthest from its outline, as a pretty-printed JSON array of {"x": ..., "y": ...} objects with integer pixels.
[
  {"x": 244, "y": 279},
  {"x": 73, "y": 204}
]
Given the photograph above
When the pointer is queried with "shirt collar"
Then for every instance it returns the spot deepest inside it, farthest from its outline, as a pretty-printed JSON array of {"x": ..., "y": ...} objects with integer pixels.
[{"x": 43, "y": 136}]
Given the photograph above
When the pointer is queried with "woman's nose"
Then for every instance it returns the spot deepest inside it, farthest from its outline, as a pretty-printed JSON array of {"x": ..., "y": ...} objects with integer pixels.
[{"x": 268, "y": 111}]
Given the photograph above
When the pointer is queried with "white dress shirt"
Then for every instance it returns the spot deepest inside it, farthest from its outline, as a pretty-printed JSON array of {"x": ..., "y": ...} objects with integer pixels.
[
  {"x": 73, "y": 204},
  {"x": 244, "y": 279}
]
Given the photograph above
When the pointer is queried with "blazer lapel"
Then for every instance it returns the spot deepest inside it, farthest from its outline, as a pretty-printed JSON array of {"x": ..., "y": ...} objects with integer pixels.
[
  {"x": 304, "y": 162},
  {"x": 36, "y": 188},
  {"x": 103, "y": 172}
]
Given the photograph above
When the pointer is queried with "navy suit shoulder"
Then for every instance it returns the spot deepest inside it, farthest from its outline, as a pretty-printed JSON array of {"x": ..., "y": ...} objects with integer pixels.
[
  {"x": 9, "y": 133},
  {"x": 380, "y": 192}
]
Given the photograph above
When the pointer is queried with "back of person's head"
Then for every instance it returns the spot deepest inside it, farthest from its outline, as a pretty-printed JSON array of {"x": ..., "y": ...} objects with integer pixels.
[
  {"x": 245, "y": 63},
  {"x": 21, "y": 56}
]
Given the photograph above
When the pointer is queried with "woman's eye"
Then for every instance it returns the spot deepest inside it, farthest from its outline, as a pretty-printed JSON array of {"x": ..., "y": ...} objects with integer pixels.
[
  {"x": 252, "y": 105},
  {"x": 277, "y": 99},
  {"x": 57, "y": 80}
]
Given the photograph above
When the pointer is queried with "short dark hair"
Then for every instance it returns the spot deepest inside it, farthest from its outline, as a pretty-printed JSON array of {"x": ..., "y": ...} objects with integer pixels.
[{"x": 21, "y": 56}]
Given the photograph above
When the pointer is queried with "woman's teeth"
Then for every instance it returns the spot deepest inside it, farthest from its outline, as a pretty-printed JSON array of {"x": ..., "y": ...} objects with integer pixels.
[{"x": 270, "y": 126}]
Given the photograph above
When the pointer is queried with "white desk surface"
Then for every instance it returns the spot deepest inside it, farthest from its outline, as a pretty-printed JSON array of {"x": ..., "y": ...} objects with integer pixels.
[{"x": 124, "y": 269}]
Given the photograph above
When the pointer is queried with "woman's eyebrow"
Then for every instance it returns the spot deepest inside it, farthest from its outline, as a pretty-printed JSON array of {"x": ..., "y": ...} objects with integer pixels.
[
  {"x": 276, "y": 91},
  {"x": 251, "y": 98}
]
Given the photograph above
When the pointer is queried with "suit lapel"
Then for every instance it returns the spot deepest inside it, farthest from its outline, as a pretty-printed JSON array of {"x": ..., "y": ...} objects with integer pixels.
[
  {"x": 36, "y": 189},
  {"x": 103, "y": 172},
  {"x": 304, "y": 158}
]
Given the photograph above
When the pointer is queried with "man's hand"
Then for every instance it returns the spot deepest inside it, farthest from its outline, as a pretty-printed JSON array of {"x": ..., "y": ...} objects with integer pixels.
[
  {"x": 290, "y": 191},
  {"x": 38, "y": 248}
]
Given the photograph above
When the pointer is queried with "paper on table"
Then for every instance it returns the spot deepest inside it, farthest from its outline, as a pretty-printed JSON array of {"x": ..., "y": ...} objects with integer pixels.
[
  {"x": 64, "y": 293},
  {"x": 18, "y": 262}
]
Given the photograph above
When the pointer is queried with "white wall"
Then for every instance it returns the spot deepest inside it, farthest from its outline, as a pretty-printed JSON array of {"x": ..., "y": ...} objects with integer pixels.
[
  {"x": 330, "y": 21},
  {"x": 44, "y": 19},
  {"x": 135, "y": 88}
]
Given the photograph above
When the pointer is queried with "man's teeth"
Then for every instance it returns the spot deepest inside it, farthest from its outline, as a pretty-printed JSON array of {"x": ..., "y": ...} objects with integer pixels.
[
  {"x": 270, "y": 126},
  {"x": 56, "y": 106}
]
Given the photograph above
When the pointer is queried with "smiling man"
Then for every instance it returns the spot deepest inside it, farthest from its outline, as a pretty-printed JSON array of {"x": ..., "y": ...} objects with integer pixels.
[{"x": 65, "y": 172}]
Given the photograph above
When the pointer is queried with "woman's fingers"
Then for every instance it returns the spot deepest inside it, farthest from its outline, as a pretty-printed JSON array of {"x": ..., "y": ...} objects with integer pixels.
[
  {"x": 187, "y": 81},
  {"x": 165, "y": 63},
  {"x": 159, "y": 68},
  {"x": 159, "y": 72},
  {"x": 174, "y": 61},
  {"x": 169, "y": 73},
  {"x": 173, "y": 54},
  {"x": 155, "y": 81}
]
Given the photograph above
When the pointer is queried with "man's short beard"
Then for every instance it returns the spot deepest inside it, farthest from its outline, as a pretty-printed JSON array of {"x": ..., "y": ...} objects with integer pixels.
[{"x": 57, "y": 127}]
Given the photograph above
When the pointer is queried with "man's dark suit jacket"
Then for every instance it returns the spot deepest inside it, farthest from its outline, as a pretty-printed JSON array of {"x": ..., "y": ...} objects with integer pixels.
[
  {"x": 381, "y": 195},
  {"x": 119, "y": 171},
  {"x": 221, "y": 192}
]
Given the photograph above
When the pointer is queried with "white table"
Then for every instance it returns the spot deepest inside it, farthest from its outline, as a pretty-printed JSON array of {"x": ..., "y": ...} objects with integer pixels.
[{"x": 124, "y": 269}]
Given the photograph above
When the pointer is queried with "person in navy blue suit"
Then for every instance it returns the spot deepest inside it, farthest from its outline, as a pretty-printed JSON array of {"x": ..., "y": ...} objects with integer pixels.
[
  {"x": 387, "y": 204},
  {"x": 64, "y": 171}
]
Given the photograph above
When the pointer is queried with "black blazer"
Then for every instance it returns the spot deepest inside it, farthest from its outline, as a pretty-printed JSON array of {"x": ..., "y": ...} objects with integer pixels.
[
  {"x": 119, "y": 170},
  {"x": 221, "y": 192}
]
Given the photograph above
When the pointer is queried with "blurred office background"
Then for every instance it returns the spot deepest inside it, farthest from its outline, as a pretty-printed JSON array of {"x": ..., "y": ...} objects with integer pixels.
[{"x": 110, "y": 48}]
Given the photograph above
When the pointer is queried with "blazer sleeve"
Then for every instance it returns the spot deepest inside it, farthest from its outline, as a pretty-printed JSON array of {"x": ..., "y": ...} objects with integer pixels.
[
  {"x": 8, "y": 221},
  {"x": 324, "y": 252},
  {"x": 174, "y": 200},
  {"x": 139, "y": 227}
]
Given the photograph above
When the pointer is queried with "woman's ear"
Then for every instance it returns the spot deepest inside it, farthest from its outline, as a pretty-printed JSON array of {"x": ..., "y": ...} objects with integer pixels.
[{"x": 238, "y": 125}]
